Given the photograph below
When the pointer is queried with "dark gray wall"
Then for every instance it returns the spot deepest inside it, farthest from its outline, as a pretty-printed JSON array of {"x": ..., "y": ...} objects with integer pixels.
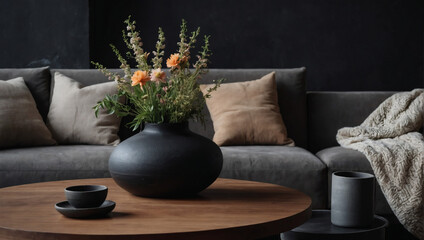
[
  {"x": 345, "y": 44},
  {"x": 44, "y": 32}
]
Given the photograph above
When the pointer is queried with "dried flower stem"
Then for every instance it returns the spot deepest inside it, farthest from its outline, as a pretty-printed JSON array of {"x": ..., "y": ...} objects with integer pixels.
[{"x": 151, "y": 95}]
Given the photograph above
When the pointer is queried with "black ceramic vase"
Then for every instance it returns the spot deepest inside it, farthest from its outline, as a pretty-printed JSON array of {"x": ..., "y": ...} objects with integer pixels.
[{"x": 165, "y": 160}]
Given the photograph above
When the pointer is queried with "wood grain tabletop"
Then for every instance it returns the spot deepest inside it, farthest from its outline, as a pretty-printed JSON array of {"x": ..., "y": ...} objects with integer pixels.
[{"x": 228, "y": 209}]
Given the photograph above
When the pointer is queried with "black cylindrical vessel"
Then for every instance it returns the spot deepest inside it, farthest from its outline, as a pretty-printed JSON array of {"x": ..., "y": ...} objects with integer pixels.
[
  {"x": 165, "y": 160},
  {"x": 352, "y": 199}
]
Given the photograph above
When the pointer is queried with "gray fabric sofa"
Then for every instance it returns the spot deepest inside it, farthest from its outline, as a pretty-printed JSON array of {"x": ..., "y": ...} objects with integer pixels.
[{"x": 312, "y": 120}]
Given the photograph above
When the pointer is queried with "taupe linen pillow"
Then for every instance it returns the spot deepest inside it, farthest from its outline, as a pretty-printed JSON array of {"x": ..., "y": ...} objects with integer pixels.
[
  {"x": 71, "y": 117},
  {"x": 247, "y": 113},
  {"x": 21, "y": 125}
]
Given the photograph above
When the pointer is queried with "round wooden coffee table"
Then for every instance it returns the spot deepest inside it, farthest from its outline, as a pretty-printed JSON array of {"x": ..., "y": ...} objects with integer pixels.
[{"x": 228, "y": 209}]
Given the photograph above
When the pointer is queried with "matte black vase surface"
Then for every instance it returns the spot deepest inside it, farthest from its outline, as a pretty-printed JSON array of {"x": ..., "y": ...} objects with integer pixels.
[
  {"x": 165, "y": 160},
  {"x": 352, "y": 199}
]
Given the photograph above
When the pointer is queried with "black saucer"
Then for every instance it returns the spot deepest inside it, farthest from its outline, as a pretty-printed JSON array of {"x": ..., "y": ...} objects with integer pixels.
[{"x": 69, "y": 211}]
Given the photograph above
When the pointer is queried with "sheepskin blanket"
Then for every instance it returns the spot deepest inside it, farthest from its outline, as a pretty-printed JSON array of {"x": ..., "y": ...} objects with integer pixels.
[{"x": 390, "y": 141}]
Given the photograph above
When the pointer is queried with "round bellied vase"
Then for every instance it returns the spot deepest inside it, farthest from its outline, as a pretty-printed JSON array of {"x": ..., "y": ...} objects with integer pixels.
[{"x": 165, "y": 160}]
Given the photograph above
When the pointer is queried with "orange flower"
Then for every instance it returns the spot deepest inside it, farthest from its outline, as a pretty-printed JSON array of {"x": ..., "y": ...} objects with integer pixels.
[
  {"x": 158, "y": 75},
  {"x": 173, "y": 60},
  {"x": 140, "y": 77}
]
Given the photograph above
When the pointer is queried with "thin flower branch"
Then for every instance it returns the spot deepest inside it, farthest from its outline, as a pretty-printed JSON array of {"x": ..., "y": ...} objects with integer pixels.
[{"x": 152, "y": 94}]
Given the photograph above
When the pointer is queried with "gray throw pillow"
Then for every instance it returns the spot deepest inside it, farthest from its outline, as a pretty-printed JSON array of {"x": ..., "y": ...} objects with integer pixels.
[
  {"x": 21, "y": 125},
  {"x": 38, "y": 83},
  {"x": 71, "y": 117}
]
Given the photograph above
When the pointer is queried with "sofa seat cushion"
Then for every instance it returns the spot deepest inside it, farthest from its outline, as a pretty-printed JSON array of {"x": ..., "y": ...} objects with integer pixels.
[
  {"x": 292, "y": 167},
  {"x": 38, "y": 164},
  {"x": 344, "y": 159}
]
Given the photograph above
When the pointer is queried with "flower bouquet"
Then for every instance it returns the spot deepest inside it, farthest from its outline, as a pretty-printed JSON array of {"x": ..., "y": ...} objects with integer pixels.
[{"x": 151, "y": 94}]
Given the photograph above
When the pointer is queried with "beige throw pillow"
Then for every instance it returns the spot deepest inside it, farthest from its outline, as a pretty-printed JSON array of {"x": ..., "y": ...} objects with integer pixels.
[
  {"x": 21, "y": 125},
  {"x": 247, "y": 113},
  {"x": 71, "y": 117}
]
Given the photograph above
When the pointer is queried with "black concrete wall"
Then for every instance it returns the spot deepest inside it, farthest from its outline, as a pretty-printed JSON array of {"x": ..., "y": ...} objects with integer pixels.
[
  {"x": 37, "y": 33},
  {"x": 345, "y": 44}
]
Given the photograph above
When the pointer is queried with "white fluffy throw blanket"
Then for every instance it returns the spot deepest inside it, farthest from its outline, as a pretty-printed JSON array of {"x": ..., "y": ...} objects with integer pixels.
[{"x": 390, "y": 141}]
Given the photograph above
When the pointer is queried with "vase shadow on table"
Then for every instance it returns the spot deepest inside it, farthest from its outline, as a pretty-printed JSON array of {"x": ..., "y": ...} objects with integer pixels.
[
  {"x": 224, "y": 194},
  {"x": 218, "y": 194}
]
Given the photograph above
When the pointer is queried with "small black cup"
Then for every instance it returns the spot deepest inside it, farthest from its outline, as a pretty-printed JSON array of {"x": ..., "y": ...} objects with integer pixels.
[{"x": 86, "y": 196}]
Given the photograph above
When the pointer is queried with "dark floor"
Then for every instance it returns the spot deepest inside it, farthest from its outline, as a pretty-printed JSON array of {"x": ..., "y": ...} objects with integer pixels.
[{"x": 396, "y": 231}]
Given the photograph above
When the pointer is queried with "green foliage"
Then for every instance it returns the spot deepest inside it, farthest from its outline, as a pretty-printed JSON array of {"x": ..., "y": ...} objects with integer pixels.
[{"x": 151, "y": 95}]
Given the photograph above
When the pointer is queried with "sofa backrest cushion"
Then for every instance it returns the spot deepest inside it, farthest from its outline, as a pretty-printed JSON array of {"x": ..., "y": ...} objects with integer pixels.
[
  {"x": 38, "y": 83},
  {"x": 330, "y": 111},
  {"x": 86, "y": 77},
  {"x": 291, "y": 98},
  {"x": 290, "y": 88}
]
